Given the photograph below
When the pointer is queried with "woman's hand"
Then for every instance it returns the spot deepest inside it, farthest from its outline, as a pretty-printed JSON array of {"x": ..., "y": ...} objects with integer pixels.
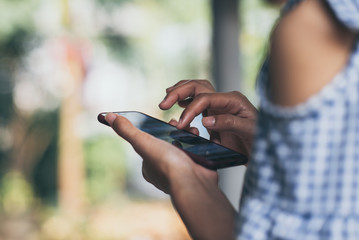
[
  {"x": 162, "y": 162},
  {"x": 229, "y": 117},
  {"x": 194, "y": 191}
]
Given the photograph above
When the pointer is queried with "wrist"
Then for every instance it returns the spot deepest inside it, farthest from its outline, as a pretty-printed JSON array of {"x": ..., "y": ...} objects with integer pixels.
[
  {"x": 191, "y": 176},
  {"x": 203, "y": 207},
  {"x": 180, "y": 177}
]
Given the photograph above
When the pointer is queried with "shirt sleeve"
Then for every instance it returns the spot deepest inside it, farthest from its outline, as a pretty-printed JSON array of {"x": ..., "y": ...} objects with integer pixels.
[{"x": 347, "y": 12}]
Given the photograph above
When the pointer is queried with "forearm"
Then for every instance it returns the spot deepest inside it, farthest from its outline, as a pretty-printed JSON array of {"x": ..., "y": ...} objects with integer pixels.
[{"x": 204, "y": 208}]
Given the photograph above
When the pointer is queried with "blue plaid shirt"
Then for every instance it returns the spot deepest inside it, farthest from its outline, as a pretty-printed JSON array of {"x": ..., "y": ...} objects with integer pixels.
[{"x": 303, "y": 179}]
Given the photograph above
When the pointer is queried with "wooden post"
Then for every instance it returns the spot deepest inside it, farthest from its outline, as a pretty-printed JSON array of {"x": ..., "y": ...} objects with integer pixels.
[
  {"x": 71, "y": 160},
  {"x": 71, "y": 163}
]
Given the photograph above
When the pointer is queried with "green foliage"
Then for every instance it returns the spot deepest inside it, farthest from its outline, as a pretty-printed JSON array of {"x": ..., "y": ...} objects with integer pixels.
[
  {"x": 105, "y": 167},
  {"x": 16, "y": 194},
  {"x": 184, "y": 11},
  {"x": 12, "y": 47},
  {"x": 16, "y": 14},
  {"x": 115, "y": 2},
  {"x": 15, "y": 45},
  {"x": 109, "y": 4},
  {"x": 120, "y": 46},
  {"x": 257, "y": 19},
  {"x": 45, "y": 125}
]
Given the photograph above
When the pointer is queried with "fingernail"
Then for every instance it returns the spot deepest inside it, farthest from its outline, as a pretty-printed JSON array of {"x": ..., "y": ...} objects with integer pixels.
[
  {"x": 208, "y": 121},
  {"x": 173, "y": 122},
  {"x": 110, "y": 117}
]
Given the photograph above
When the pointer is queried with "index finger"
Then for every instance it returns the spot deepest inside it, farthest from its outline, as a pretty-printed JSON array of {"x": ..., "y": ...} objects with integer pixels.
[
  {"x": 229, "y": 103},
  {"x": 184, "y": 90}
]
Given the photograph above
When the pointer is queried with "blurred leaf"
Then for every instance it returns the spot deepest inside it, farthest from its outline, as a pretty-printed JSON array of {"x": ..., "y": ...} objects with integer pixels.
[
  {"x": 16, "y": 14},
  {"x": 16, "y": 193},
  {"x": 16, "y": 44},
  {"x": 109, "y": 4},
  {"x": 119, "y": 46},
  {"x": 44, "y": 171},
  {"x": 105, "y": 167}
]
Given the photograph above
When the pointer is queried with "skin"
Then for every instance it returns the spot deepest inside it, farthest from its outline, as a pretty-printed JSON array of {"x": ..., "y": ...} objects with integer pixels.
[
  {"x": 229, "y": 117},
  {"x": 308, "y": 48}
]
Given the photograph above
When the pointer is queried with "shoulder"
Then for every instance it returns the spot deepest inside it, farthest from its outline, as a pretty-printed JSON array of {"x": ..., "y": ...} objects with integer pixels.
[{"x": 309, "y": 46}]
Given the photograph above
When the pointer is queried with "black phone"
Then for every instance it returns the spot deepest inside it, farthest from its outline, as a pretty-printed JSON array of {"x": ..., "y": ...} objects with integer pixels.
[{"x": 204, "y": 152}]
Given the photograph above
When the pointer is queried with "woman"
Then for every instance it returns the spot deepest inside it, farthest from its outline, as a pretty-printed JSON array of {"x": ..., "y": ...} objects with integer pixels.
[{"x": 302, "y": 181}]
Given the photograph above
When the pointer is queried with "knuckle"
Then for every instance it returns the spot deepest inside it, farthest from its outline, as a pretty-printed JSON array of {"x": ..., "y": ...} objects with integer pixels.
[
  {"x": 236, "y": 94},
  {"x": 240, "y": 97},
  {"x": 203, "y": 99},
  {"x": 181, "y": 82},
  {"x": 204, "y": 81},
  {"x": 192, "y": 82},
  {"x": 229, "y": 121},
  {"x": 202, "y": 96},
  {"x": 116, "y": 125},
  {"x": 207, "y": 84}
]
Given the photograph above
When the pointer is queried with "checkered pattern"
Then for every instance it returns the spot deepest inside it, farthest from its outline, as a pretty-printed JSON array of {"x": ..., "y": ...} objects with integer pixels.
[
  {"x": 303, "y": 179},
  {"x": 347, "y": 11}
]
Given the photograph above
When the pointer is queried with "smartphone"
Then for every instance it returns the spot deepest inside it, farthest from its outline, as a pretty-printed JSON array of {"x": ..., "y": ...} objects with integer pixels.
[{"x": 204, "y": 152}]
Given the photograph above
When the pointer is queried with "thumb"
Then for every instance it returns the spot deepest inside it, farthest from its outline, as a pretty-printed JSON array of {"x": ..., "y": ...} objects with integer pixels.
[
  {"x": 224, "y": 123},
  {"x": 143, "y": 143},
  {"x": 124, "y": 128}
]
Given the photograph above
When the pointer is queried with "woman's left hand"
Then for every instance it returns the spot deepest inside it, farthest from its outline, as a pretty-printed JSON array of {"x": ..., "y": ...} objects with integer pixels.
[
  {"x": 162, "y": 162},
  {"x": 194, "y": 190}
]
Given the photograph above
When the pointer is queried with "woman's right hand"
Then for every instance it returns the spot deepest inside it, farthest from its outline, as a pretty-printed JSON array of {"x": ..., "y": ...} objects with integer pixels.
[{"x": 229, "y": 117}]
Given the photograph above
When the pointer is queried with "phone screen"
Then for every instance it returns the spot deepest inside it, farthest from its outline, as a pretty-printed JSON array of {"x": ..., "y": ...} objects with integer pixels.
[{"x": 201, "y": 150}]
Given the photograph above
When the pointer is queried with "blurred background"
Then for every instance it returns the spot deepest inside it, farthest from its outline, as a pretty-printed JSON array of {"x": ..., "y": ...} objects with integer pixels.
[{"x": 62, "y": 174}]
